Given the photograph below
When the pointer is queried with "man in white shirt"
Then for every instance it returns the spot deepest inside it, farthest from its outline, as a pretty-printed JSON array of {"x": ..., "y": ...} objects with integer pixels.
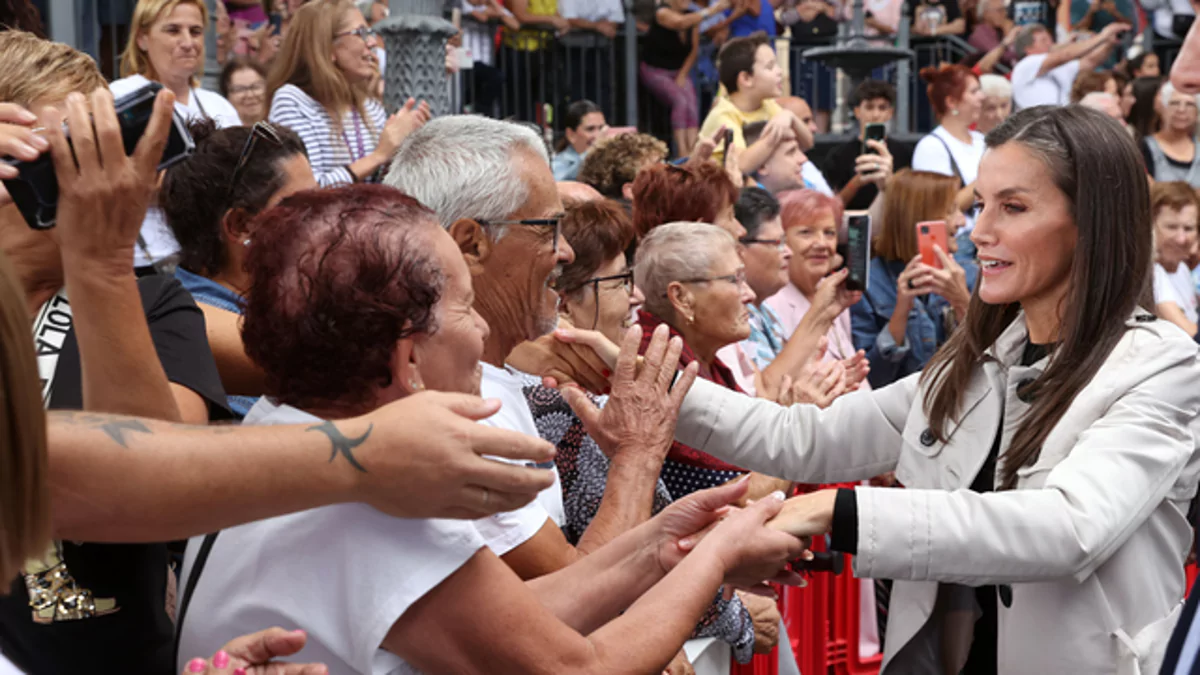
[
  {"x": 1044, "y": 73},
  {"x": 496, "y": 196}
]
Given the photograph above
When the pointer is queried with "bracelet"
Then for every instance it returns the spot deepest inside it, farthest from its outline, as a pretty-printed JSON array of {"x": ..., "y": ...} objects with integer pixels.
[{"x": 353, "y": 176}]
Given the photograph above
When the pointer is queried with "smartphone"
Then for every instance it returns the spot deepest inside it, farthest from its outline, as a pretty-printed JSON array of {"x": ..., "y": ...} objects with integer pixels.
[
  {"x": 929, "y": 233},
  {"x": 855, "y": 249},
  {"x": 873, "y": 132},
  {"x": 35, "y": 190},
  {"x": 728, "y": 144},
  {"x": 276, "y": 21}
]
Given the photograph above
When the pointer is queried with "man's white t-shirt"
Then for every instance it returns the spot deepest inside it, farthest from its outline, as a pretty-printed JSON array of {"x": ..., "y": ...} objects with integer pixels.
[
  {"x": 160, "y": 242},
  {"x": 1053, "y": 88},
  {"x": 930, "y": 155},
  {"x": 1176, "y": 287},
  {"x": 343, "y": 573},
  {"x": 506, "y": 385},
  {"x": 815, "y": 180}
]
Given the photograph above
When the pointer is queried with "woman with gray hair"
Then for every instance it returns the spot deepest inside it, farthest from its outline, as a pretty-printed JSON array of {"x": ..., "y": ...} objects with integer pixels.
[
  {"x": 1172, "y": 153},
  {"x": 997, "y": 102}
]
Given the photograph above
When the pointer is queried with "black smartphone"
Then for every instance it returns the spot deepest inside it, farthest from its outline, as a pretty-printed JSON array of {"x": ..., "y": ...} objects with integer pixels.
[
  {"x": 35, "y": 190},
  {"x": 873, "y": 132},
  {"x": 276, "y": 21},
  {"x": 728, "y": 144},
  {"x": 855, "y": 249}
]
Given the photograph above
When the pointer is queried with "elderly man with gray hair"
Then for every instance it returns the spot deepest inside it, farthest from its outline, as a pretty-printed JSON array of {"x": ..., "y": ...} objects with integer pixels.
[
  {"x": 492, "y": 189},
  {"x": 1044, "y": 73}
]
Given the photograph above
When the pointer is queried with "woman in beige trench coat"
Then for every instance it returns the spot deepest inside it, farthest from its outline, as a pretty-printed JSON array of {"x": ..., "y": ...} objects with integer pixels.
[{"x": 1049, "y": 450}]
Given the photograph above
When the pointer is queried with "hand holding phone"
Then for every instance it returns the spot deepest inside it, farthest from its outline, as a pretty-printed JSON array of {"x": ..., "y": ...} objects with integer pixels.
[
  {"x": 873, "y": 132},
  {"x": 36, "y": 188},
  {"x": 855, "y": 240}
]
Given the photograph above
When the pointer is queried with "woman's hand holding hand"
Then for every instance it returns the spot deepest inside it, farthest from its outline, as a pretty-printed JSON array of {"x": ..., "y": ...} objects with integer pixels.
[
  {"x": 569, "y": 355},
  {"x": 749, "y": 551},
  {"x": 102, "y": 193},
  {"x": 806, "y": 515},
  {"x": 410, "y": 117},
  {"x": 644, "y": 406},
  {"x": 254, "y": 654},
  {"x": 764, "y": 612}
]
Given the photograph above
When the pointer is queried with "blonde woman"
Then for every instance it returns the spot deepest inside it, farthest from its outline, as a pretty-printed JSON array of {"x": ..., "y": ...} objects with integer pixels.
[
  {"x": 166, "y": 45},
  {"x": 321, "y": 88}
]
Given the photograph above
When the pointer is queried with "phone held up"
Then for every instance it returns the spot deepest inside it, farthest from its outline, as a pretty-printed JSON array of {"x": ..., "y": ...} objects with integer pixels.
[
  {"x": 728, "y": 143},
  {"x": 854, "y": 245},
  {"x": 873, "y": 132},
  {"x": 929, "y": 233},
  {"x": 35, "y": 190}
]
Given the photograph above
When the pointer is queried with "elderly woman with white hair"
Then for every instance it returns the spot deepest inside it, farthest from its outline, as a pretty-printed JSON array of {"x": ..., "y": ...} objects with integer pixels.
[
  {"x": 997, "y": 102},
  {"x": 1173, "y": 153}
]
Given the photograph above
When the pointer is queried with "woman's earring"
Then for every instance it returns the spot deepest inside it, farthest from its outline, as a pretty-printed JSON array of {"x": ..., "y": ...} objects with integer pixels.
[
  {"x": 245, "y": 242},
  {"x": 954, "y": 112},
  {"x": 415, "y": 386}
]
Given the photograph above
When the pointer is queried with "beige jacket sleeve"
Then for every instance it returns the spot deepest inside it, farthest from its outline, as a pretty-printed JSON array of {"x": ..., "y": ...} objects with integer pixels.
[
  {"x": 857, "y": 437},
  {"x": 1091, "y": 494}
]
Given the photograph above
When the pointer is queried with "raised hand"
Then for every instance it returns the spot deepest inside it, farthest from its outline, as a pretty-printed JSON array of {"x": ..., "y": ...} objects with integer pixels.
[
  {"x": 644, "y": 406},
  {"x": 857, "y": 368},
  {"x": 410, "y": 117},
  {"x": 102, "y": 193},
  {"x": 17, "y": 140},
  {"x": 875, "y": 168}
]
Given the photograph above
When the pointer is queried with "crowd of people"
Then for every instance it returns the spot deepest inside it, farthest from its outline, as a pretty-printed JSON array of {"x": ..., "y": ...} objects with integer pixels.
[{"x": 340, "y": 390}]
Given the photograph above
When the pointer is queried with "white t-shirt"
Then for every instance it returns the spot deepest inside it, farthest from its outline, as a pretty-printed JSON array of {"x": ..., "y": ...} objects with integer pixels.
[
  {"x": 811, "y": 175},
  {"x": 344, "y": 573},
  {"x": 930, "y": 154},
  {"x": 160, "y": 242},
  {"x": 592, "y": 10},
  {"x": 505, "y": 384},
  {"x": 1053, "y": 88},
  {"x": 1176, "y": 287}
]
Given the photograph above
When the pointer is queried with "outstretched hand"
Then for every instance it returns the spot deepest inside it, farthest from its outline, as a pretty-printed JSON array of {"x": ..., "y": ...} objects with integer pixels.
[{"x": 255, "y": 654}]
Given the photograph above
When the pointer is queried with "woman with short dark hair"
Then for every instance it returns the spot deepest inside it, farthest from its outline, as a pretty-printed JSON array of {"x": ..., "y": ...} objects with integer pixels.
[
  {"x": 244, "y": 83},
  {"x": 1048, "y": 450}
]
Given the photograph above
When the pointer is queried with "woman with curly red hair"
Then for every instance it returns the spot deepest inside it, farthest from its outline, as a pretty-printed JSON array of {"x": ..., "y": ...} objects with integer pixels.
[
  {"x": 953, "y": 148},
  {"x": 699, "y": 193}
]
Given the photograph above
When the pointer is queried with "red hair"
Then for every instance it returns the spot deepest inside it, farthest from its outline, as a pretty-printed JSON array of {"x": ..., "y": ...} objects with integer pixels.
[
  {"x": 801, "y": 207},
  {"x": 339, "y": 276},
  {"x": 665, "y": 193},
  {"x": 947, "y": 80}
]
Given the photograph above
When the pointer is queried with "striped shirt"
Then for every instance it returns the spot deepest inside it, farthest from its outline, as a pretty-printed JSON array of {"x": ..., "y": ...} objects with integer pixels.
[{"x": 330, "y": 149}]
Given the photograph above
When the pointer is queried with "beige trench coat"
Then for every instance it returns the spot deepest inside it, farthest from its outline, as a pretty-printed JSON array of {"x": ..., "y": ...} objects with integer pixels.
[{"x": 1092, "y": 542}]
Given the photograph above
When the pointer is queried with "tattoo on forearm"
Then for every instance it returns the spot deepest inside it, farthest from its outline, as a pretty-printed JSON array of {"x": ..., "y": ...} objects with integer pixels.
[
  {"x": 341, "y": 444},
  {"x": 113, "y": 426}
]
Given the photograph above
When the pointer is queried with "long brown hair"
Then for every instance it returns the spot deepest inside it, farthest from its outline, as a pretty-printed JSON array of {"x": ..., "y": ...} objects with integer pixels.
[
  {"x": 1098, "y": 167},
  {"x": 24, "y": 489},
  {"x": 912, "y": 197},
  {"x": 305, "y": 60}
]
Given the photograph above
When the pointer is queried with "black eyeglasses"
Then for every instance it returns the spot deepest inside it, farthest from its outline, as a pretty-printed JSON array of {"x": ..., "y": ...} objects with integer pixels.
[
  {"x": 263, "y": 129},
  {"x": 626, "y": 279},
  {"x": 363, "y": 32},
  {"x": 553, "y": 221},
  {"x": 777, "y": 243}
]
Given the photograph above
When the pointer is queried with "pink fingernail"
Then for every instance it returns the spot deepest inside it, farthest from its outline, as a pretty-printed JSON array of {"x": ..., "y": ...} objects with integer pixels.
[
  {"x": 196, "y": 666},
  {"x": 239, "y": 671},
  {"x": 606, "y": 372},
  {"x": 221, "y": 659}
]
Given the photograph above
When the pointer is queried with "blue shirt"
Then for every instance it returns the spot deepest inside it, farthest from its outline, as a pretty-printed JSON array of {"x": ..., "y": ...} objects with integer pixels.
[
  {"x": 926, "y": 329},
  {"x": 209, "y": 292},
  {"x": 565, "y": 164},
  {"x": 748, "y": 24}
]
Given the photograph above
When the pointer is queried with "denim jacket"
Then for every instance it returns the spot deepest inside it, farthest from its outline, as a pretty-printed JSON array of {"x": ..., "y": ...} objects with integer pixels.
[{"x": 926, "y": 330}]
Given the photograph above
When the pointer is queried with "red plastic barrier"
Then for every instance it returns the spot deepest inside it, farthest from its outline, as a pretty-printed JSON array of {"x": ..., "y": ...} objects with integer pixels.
[{"x": 761, "y": 664}]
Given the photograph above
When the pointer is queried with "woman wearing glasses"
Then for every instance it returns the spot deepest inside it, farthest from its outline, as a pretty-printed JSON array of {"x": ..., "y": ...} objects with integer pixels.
[
  {"x": 910, "y": 309},
  {"x": 210, "y": 202},
  {"x": 244, "y": 83},
  {"x": 321, "y": 88},
  {"x": 166, "y": 45}
]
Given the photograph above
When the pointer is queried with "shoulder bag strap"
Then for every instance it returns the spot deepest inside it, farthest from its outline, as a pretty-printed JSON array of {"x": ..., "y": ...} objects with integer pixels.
[
  {"x": 953, "y": 164},
  {"x": 190, "y": 588}
]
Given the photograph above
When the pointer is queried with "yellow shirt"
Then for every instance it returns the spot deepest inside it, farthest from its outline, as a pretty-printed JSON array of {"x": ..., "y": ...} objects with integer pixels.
[
  {"x": 728, "y": 114},
  {"x": 532, "y": 39}
]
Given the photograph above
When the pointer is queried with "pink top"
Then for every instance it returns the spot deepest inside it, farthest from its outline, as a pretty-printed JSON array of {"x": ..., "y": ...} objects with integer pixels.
[{"x": 791, "y": 306}]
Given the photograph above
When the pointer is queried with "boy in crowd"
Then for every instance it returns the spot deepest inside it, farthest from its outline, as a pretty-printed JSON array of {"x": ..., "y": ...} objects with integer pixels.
[
  {"x": 750, "y": 73},
  {"x": 874, "y": 103}
]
